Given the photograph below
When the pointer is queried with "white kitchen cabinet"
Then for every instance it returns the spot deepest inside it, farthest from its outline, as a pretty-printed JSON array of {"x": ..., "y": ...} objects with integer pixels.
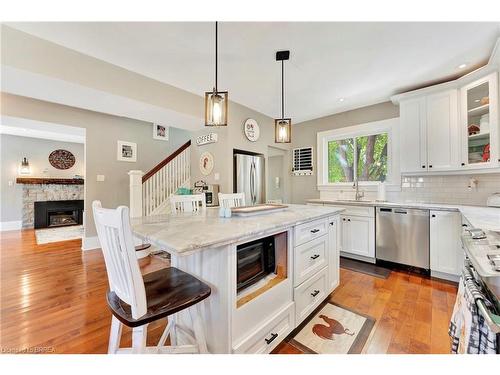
[
  {"x": 334, "y": 236},
  {"x": 429, "y": 138},
  {"x": 358, "y": 237},
  {"x": 413, "y": 136},
  {"x": 434, "y": 126},
  {"x": 479, "y": 107},
  {"x": 446, "y": 256},
  {"x": 442, "y": 131}
]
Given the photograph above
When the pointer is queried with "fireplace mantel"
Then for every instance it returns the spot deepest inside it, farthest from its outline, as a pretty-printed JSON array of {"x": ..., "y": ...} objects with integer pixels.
[{"x": 49, "y": 181}]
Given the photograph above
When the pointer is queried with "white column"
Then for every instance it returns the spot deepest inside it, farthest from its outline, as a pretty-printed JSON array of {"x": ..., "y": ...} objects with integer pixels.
[{"x": 135, "y": 193}]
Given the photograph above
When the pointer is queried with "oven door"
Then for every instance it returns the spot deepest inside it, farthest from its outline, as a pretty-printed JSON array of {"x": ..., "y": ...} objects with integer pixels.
[{"x": 250, "y": 265}]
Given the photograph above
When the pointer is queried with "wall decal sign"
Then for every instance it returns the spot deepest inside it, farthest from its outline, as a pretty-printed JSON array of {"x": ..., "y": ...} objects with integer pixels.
[
  {"x": 206, "y": 163},
  {"x": 251, "y": 129},
  {"x": 206, "y": 139}
]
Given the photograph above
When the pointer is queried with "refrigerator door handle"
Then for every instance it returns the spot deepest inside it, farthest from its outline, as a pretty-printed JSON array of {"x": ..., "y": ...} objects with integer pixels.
[{"x": 252, "y": 182}]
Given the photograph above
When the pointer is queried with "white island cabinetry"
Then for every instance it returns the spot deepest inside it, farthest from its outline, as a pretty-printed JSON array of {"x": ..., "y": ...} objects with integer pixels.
[{"x": 256, "y": 318}]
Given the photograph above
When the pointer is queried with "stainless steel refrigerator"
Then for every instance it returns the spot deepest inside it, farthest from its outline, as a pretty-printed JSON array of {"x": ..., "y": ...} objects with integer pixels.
[{"x": 249, "y": 177}]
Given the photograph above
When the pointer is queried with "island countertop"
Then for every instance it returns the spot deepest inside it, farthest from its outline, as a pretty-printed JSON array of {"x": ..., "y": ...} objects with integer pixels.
[{"x": 185, "y": 233}]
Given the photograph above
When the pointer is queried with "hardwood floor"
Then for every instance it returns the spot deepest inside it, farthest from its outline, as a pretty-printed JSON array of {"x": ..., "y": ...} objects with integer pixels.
[{"x": 52, "y": 301}]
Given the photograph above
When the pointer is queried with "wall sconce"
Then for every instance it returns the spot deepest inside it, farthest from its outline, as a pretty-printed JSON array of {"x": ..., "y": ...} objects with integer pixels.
[{"x": 24, "y": 168}]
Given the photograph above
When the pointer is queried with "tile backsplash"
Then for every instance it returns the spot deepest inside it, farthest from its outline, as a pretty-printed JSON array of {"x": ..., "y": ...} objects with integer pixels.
[
  {"x": 449, "y": 189},
  {"x": 454, "y": 189}
]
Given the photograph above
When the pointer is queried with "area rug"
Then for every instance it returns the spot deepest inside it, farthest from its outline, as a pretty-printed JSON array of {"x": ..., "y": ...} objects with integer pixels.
[
  {"x": 49, "y": 235},
  {"x": 366, "y": 268},
  {"x": 333, "y": 329}
]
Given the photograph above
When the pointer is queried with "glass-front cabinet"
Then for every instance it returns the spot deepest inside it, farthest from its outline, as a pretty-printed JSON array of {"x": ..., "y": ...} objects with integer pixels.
[{"x": 479, "y": 123}]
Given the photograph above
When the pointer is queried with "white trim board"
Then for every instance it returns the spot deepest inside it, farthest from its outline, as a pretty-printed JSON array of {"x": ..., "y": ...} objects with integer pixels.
[
  {"x": 10, "y": 225},
  {"x": 90, "y": 243},
  {"x": 23, "y": 127}
]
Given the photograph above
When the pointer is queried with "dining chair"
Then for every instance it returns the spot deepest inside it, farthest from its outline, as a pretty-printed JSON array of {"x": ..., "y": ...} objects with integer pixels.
[
  {"x": 231, "y": 200},
  {"x": 136, "y": 301},
  {"x": 187, "y": 203}
]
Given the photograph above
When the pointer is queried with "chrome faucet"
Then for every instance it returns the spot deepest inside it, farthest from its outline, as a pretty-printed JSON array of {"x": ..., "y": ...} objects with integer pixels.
[{"x": 359, "y": 194}]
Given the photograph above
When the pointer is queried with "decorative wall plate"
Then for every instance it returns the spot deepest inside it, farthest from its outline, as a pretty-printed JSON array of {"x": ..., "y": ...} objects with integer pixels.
[
  {"x": 251, "y": 129},
  {"x": 206, "y": 163},
  {"x": 61, "y": 159}
]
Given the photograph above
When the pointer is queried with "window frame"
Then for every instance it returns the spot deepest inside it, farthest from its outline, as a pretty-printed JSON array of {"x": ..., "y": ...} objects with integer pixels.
[{"x": 390, "y": 126}]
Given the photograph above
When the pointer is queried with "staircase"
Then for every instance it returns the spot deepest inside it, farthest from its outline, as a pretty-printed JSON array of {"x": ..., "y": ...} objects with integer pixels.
[{"x": 150, "y": 192}]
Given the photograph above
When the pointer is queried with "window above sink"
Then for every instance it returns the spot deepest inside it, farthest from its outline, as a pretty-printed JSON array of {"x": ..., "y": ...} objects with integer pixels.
[{"x": 365, "y": 153}]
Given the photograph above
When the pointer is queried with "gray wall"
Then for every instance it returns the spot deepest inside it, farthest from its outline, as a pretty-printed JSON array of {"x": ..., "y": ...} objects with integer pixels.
[
  {"x": 12, "y": 150},
  {"x": 102, "y": 133},
  {"x": 233, "y": 137},
  {"x": 276, "y": 169},
  {"x": 304, "y": 135}
]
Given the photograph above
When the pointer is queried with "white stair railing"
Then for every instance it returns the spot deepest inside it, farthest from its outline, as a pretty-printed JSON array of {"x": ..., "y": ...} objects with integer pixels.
[{"x": 150, "y": 192}]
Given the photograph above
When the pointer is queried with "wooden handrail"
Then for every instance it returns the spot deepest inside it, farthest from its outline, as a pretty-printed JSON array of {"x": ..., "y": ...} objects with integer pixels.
[{"x": 164, "y": 162}]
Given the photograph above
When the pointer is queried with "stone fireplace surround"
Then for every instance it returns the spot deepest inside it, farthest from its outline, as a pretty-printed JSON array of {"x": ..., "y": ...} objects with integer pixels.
[{"x": 46, "y": 192}]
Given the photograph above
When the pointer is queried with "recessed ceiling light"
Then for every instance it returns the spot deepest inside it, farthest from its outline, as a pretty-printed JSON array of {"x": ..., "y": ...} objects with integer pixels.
[
  {"x": 341, "y": 100},
  {"x": 461, "y": 66}
]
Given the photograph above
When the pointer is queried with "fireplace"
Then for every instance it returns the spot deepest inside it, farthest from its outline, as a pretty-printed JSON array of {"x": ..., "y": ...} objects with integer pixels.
[{"x": 50, "y": 214}]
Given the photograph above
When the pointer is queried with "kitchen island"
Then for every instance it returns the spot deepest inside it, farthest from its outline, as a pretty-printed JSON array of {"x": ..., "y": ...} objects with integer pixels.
[{"x": 257, "y": 318}]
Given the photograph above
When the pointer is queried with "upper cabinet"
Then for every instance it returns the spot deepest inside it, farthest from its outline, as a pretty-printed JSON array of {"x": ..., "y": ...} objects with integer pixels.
[
  {"x": 450, "y": 127},
  {"x": 479, "y": 123}
]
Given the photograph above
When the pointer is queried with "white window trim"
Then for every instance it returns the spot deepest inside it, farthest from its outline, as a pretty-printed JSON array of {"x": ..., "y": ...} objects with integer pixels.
[{"x": 390, "y": 126}]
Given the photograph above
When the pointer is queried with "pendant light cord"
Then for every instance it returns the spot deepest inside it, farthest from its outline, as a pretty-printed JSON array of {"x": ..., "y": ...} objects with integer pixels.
[
  {"x": 216, "y": 33},
  {"x": 282, "y": 91}
]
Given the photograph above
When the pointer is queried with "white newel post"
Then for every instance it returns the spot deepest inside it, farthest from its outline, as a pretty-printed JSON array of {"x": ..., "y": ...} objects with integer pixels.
[{"x": 135, "y": 193}]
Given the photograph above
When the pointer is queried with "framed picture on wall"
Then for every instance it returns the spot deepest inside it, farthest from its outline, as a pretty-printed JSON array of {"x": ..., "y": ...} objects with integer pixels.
[
  {"x": 126, "y": 151},
  {"x": 160, "y": 132}
]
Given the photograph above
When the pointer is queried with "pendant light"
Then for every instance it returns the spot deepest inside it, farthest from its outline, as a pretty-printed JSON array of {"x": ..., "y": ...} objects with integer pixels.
[
  {"x": 282, "y": 126},
  {"x": 216, "y": 102}
]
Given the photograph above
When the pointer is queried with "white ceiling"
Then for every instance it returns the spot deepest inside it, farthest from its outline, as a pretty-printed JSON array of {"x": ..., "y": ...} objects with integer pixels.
[{"x": 365, "y": 63}]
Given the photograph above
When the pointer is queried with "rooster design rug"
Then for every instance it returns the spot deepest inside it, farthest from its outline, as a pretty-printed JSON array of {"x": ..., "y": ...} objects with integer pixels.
[{"x": 333, "y": 329}]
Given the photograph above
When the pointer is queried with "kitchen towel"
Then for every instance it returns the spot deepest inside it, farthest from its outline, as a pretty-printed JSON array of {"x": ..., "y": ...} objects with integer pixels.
[{"x": 468, "y": 330}]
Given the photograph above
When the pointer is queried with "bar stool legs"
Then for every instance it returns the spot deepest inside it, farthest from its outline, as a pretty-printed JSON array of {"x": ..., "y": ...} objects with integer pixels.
[
  {"x": 139, "y": 335},
  {"x": 198, "y": 329},
  {"x": 114, "y": 335}
]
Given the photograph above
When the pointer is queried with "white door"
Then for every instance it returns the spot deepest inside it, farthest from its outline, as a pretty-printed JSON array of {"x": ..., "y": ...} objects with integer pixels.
[
  {"x": 442, "y": 131},
  {"x": 445, "y": 250},
  {"x": 333, "y": 253},
  {"x": 413, "y": 136}
]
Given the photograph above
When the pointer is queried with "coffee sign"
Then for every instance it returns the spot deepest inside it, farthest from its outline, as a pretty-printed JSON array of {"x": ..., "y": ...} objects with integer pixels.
[
  {"x": 206, "y": 139},
  {"x": 251, "y": 129}
]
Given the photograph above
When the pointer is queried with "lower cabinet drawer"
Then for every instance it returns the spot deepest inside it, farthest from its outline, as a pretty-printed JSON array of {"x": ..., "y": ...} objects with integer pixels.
[
  {"x": 310, "y": 294},
  {"x": 310, "y": 257},
  {"x": 269, "y": 335}
]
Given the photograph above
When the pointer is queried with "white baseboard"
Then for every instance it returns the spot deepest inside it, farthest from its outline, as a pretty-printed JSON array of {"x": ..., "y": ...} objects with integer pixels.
[
  {"x": 90, "y": 243},
  {"x": 10, "y": 225}
]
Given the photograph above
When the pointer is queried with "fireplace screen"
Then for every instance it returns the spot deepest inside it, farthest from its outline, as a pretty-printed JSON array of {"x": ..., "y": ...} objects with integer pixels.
[{"x": 62, "y": 218}]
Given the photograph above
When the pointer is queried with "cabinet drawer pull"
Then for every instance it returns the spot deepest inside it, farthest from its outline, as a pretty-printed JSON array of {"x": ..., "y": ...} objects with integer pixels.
[
  {"x": 270, "y": 340},
  {"x": 315, "y": 293},
  {"x": 348, "y": 219},
  {"x": 314, "y": 230},
  {"x": 315, "y": 256},
  {"x": 332, "y": 223},
  {"x": 423, "y": 166},
  {"x": 430, "y": 166},
  {"x": 463, "y": 164}
]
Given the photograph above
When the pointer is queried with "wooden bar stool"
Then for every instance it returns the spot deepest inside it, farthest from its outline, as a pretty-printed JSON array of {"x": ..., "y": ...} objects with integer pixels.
[
  {"x": 231, "y": 200},
  {"x": 136, "y": 301}
]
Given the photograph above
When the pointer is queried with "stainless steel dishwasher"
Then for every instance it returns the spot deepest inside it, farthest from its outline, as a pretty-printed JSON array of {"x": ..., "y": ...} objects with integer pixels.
[{"x": 402, "y": 236}]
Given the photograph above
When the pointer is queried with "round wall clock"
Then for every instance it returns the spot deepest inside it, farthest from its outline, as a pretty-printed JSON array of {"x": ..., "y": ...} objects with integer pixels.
[
  {"x": 251, "y": 129},
  {"x": 61, "y": 159},
  {"x": 206, "y": 163}
]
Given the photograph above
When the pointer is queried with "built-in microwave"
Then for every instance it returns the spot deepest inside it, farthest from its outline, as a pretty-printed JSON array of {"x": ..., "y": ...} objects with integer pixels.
[{"x": 255, "y": 260}]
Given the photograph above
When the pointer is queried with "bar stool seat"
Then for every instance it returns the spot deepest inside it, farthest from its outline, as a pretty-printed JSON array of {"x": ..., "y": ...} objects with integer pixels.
[{"x": 168, "y": 291}]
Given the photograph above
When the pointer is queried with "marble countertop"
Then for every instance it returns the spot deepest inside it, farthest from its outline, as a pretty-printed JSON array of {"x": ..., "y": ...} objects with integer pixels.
[
  {"x": 185, "y": 233},
  {"x": 486, "y": 218}
]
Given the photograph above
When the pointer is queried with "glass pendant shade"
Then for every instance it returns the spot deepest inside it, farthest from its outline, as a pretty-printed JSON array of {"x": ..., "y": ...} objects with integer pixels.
[
  {"x": 24, "y": 168},
  {"x": 283, "y": 130},
  {"x": 216, "y": 108}
]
